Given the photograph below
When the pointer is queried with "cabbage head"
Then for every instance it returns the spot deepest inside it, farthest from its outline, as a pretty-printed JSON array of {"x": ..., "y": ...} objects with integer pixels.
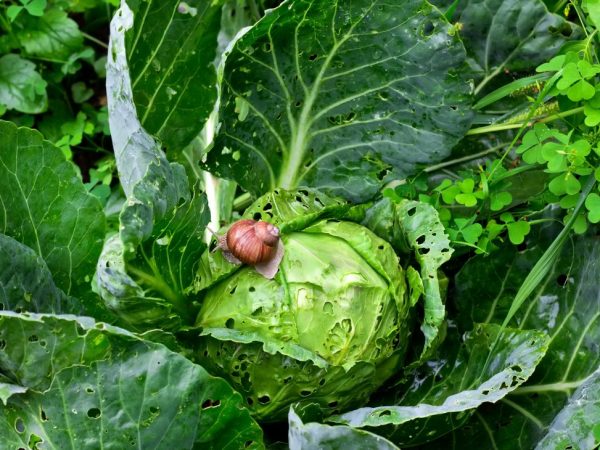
[{"x": 330, "y": 328}]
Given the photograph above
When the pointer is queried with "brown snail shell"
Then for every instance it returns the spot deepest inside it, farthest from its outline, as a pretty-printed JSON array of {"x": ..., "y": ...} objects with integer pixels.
[{"x": 254, "y": 243}]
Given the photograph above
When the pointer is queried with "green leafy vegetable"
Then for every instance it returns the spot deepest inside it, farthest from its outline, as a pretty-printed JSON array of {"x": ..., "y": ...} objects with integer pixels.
[
  {"x": 455, "y": 382},
  {"x": 76, "y": 396},
  {"x": 170, "y": 49},
  {"x": 44, "y": 205},
  {"x": 342, "y": 95}
]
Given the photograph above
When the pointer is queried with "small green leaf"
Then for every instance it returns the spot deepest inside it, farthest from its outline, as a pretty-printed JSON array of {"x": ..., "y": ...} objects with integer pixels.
[
  {"x": 21, "y": 87},
  {"x": 35, "y": 7},
  {"x": 499, "y": 200},
  {"x": 592, "y": 203},
  {"x": 13, "y": 11},
  {"x": 558, "y": 185},
  {"x": 517, "y": 231},
  {"x": 568, "y": 201},
  {"x": 582, "y": 90},
  {"x": 81, "y": 92},
  {"x": 554, "y": 154},
  {"x": 554, "y": 65},
  {"x": 466, "y": 199},
  {"x": 597, "y": 174},
  {"x": 53, "y": 35},
  {"x": 466, "y": 185}
]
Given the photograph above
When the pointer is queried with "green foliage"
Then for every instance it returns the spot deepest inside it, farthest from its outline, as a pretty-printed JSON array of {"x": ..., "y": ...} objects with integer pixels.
[
  {"x": 348, "y": 97},
  {"x": 322, "y": 94}
]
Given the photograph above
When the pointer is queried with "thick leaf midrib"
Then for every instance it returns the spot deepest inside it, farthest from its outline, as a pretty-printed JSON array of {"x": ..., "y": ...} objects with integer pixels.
[{"x": 301, "y": 130}]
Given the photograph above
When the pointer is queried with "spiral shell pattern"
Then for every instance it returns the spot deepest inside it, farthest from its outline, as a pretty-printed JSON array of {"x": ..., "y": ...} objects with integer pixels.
[{"x": 252, "y": 242}]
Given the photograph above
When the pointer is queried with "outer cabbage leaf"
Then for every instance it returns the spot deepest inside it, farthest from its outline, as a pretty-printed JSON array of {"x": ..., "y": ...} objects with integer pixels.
[
  {"x": 340, "y": 95},
  {"x": 510, "y": 34},
  {"x": 462, "y": 375},
  {"x": 170, "y": 48},
  {"x": 414, "y": 228},
  {"x": 566, "y": 306},
  {"x": 92, "y": 386},
  {"x": 144, "y": 273},
  {"x": 327, "y": 437},
  {"x": 44, "y": 205},
  {"x": 577, "y": 425},
  {"x": 26, "y": 284}
]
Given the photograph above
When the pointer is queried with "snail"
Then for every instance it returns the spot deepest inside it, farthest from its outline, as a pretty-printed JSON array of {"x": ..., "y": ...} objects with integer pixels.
[{"x": 254, "y": 243}]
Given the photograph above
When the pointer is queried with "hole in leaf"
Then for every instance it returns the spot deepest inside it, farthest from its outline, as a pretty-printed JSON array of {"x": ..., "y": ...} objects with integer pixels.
[
  {"x": 233, "y": 290},
  {"x": 421, "y": 240},
  {"x": 332, "y": 404},
  {"x": 33, "y": 338},
  {"x": 154, "y": 409},
  {"x": 19, "y": 425},
  {"x": 257, "y": 216},
  {"x": 312, "y": 57},
  {"x": 230, "y": 323},
  {"x": 43, "y": 416},
  {"x": 248, "y": 444},
  {"x": 305, "y": 393},
  {"x": 384, "y": 413},
  {"x": 411, "y": 211},
  {"x": 251, "y": 289},
  {"x": 562, "y": 280},
  {"x": 267, "y": 207},
  {"x": 89, "y": 390},
  {"x": 250, "y": 401},
  {"x": 263, "y": 400},
  {"x": 94, "y": 413}
]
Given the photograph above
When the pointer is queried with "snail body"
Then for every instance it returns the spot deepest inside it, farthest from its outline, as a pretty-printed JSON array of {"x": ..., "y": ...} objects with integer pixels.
[{"x": 254, "y": 243}]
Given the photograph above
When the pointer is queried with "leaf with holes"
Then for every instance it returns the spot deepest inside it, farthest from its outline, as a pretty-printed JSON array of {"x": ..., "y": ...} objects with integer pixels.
[
  {"x": 76, "y": 383},
  {"x": 483, "y": 366},
  {"x": 340, "y": 95},
  {"x": 510, "y": 34},
  {"x": 44, "y": 205},
  {"x": 327, "y": 437},
  {"x": 168, "y": 54},
  {"x": 567, "y": 307},
  {"x": 414, "y": 227},
  {"x": 26, "y": 284}
]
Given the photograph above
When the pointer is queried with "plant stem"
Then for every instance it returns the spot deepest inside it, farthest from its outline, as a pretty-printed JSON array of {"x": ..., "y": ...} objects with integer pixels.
[
  {"x": 242, "y": 201},
  {"x": 158, "y": 284},
  {"x": 464, "y": 158},
  {"x": 487, "y": 79},
  {"x": 512, "y": 126},
  {"x": 89, "y": 37}
]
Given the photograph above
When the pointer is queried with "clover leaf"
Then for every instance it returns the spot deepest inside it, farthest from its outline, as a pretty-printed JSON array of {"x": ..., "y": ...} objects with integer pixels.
[
  {"x": 565, "y": 184},
  {"x": 592, "y": 203},
  {"x": 516, "y": 230},
  {"x": 470, "y": 231},
  {"x": 499, "y": 200}
]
